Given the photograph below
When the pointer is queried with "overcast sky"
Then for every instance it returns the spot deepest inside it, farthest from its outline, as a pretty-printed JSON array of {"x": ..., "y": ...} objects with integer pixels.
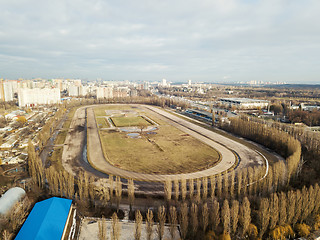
[{"x": 204, "y": 40}]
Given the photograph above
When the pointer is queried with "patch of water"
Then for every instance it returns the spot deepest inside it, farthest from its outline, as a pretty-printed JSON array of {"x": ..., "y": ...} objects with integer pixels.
[
  {"x": 151, "y": 133},
  {"x": 134, "y": 135}
]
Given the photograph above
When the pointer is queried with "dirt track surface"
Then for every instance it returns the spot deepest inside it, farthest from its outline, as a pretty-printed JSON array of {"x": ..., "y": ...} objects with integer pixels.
[{"x": 220, "y": 143}]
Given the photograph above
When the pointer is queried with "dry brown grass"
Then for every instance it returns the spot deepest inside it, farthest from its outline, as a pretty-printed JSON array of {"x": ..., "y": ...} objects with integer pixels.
[{"x": 170, "y": 151}]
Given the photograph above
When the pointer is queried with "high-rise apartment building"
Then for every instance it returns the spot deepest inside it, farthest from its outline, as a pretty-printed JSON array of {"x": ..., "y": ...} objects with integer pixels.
[
  {"x": 6, "y": 91},
  {"x": 38, "y": 96},
  {"x": 104, "y": 92}
]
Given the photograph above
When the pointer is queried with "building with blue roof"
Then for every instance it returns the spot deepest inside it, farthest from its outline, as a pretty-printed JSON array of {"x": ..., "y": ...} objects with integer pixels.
[{"x": 47, "y": 220}]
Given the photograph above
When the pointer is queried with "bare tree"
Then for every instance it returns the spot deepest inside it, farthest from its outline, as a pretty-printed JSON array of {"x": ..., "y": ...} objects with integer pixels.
[
  {"x": 234, "y": 215},
  {"x": 205, "y": 188},
  {"x": 225, "y": 216},
  {"x": 282, "y": 209},
  {"x": 111, "y": 186},
  {"x": 205, "y": 217},
  {"x": 263, "y": 215},
  {"x": 184, "y": 220},
  {"x": 291, "y": 206},
  {"x": 92, "y": 190},
  {"x": 250, "y": 180},
  {"x": 225, "y": 186},
  {"x": 6, "y": 235},
  {"x": 115, "y": 231},
  {"x": 219, "y": 185},
  {"x": 274, "y": 210},
  {"x": 138, "y": 225},
  {"x": 232, "y": 176},
  {"x": 86, "y": 185},
  {"x": 168, "y": 189},
  {"x": 176, "y": 189},
  {"x": 191, "y": 188},
  {"x": 149, "y": 225},
  {"x": 183, "y": 189},
  {"x": 213, "y": 187},
  {"x": 215, "y": 215},
  {"x": 245, "y": 215},
  {"x": 173, "y": 221},
  {"x": 161, "y": 220},
  {"x": 70, "y": 191},
  {"x": 239, "y": 182},
  {"x": 131, "y": 192},
  {"x": 194, "y": 218},
  {"x": 102, "y": 229},
  {"x": 198, "y": 190},
  {"x": 118, "y": 191},
  {"x": 297, "y": 215}
]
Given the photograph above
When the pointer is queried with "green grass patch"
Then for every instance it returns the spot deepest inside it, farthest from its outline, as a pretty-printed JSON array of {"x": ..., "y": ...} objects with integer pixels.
[
  {"x": 55, "y": 159},
  {"x": 61, "y": 137},
  {"x": 101, "y": 110},
  {"x": 67, "y": 123},
  {"x": 102, "y": 122},
  {"x": 129, "y": 121}
]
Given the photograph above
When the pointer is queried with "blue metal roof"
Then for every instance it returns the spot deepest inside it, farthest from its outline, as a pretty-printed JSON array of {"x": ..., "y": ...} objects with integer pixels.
[{"x": 46, "y": 220}]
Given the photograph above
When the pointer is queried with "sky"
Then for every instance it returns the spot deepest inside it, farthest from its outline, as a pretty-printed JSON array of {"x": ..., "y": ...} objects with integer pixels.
[{"x": 147, "y": 40}]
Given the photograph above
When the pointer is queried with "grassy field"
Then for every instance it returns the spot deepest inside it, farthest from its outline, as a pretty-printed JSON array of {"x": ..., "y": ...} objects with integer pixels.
[
  {"x": 61, "y": 137},
  {"x": 55, "y": 159},
  {"x": 102, "y": 122},
  {"x": 129, "y": 121},
  {"x": 170, "y": 151},
  {"x": 271, "y": 157},
  {"x": 100, "y": 110}
]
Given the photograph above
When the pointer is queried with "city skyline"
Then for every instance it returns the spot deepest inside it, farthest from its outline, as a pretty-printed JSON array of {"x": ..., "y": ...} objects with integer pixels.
[{"x": 210, "y": 41}]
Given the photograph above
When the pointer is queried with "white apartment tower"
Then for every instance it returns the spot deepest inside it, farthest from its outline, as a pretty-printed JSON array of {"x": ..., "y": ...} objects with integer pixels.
[
  {"x": 38, "y": 96},
  {"x": 104, "y": 92},
  {"x": 6, "y": 91}
]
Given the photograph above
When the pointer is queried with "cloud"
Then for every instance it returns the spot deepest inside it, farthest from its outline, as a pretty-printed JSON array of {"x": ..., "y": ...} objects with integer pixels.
[{"x": 203, "y": 40}]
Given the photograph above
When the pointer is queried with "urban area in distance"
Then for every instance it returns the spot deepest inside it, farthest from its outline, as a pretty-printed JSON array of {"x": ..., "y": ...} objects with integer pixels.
[{"x": 160, "y": 120}]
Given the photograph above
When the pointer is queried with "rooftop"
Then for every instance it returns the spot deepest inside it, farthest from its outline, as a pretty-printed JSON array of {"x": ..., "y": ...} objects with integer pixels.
[
  {"x": 46, "y": 220},
  {"x": 12, "y": 196},
  {"x": 243, "y": 100}
]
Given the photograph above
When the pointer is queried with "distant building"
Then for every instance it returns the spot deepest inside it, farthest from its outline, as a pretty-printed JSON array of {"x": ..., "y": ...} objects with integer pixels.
[
  {"x": 133, "y": 93},
  {"x": 104, "y": 92},
  {"x": 6, "y": 91},
  {"x": 245, "y": 103},
  {"x": 121, "y": 92},
  {"x": 37, "y": 96},
  {"x": 164, "y": 83},
  {"x": 47, "y": 220},
  {"x": 75, "y": 91}
]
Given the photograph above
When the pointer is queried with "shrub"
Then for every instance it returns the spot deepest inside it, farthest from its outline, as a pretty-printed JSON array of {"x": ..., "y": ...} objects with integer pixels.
[
  {"x": 252, "y": 231},
  {"x": 316, "y": 224},
  {"x": 225, "y": 236},
  {"x": 211, "y": 236},
  {"x": 302, "y": 229},
  {"x": 281, "y": 232}
]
